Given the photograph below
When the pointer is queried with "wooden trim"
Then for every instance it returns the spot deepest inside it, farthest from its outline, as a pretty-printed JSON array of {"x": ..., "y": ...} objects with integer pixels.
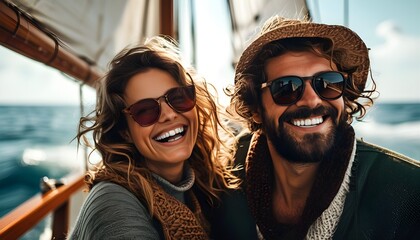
[
  {"x": 28, "y": 214},
  {"x": 60, "y": 221},
  {"x": 166, "y": 11},
  {"x": 21, "y": 34}
]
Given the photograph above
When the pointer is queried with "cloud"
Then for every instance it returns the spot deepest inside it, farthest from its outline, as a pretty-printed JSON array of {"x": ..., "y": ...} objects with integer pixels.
[{"x": 395, "y": 64}]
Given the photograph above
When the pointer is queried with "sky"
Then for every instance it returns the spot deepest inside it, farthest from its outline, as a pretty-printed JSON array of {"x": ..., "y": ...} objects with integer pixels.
[{"x": 388, "y": 27}]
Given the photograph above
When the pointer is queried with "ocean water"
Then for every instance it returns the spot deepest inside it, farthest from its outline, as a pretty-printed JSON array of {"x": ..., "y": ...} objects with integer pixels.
[
  {"x": 395, "y": 126},
  {"x": 37, "y": 141}
]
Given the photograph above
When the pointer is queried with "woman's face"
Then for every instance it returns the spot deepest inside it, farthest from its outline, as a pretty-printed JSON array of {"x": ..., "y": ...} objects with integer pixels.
[{"x": 167, "y": 143}]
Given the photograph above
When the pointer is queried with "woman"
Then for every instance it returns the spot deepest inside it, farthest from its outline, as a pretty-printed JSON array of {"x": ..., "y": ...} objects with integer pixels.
[{"x": 164, "y": 172}]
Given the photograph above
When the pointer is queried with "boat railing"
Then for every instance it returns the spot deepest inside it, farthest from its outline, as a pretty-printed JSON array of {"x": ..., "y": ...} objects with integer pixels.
[{"x": 56, "y": 201}]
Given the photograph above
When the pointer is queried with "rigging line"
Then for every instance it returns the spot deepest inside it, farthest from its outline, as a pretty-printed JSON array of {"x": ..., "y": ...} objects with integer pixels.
[
  {"x": 232, "y": 16},
  {"x": 145, "y": 17},
  {"x": 193, "y": 33},
  {"x": 82, "y": 113},
  {"x": 346, "y": 13},
  {"x": 316, "y": 10},
  {"x": 235, "y": 33}
]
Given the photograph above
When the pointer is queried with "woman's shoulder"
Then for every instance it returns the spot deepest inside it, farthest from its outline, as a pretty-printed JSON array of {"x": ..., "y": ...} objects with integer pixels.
[
  {"x": 109, "y": 187},
  {"x": 112, "y": 210},
  {"x": 113, "y": 197}
]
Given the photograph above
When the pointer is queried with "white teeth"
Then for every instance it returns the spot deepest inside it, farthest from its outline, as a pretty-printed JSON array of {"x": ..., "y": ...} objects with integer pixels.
[
  {"x": 170, "y": 134},
  {"x": 174, "y": 139},
  {"x": 308, "y": 122}
]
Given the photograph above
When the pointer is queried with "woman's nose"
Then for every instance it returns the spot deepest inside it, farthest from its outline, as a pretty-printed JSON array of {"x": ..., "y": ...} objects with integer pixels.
[{"x": 166, "y": 111}]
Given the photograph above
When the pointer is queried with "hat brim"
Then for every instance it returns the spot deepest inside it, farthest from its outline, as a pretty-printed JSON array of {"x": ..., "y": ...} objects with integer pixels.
[{"x": 341, "y": 37}]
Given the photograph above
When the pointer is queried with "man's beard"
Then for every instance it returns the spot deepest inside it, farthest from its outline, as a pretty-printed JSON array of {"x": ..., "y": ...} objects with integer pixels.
[{"x": 313, "y": 147}]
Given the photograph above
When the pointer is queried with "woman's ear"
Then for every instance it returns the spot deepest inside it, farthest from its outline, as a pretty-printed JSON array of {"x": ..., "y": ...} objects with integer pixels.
[
  {"x": 256, "y": 118},
  {"x": 126, "y": 136}
]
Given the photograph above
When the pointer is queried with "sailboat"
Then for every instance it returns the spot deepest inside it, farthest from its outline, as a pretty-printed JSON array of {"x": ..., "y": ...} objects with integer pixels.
[{"x": 79, "y": 38}]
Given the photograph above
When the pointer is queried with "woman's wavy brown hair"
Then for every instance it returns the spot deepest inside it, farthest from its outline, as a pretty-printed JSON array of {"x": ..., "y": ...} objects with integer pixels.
[
  {"x": 246, "y": 94},
  {"x": 121, "y": 162}
]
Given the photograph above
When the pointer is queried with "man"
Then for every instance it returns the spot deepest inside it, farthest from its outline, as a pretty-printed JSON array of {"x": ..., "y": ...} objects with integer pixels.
[{"x": 299, "y": 85}]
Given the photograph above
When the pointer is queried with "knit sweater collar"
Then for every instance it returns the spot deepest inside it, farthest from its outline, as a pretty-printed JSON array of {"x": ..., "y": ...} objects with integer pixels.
[{"x": 178, "y": 190}]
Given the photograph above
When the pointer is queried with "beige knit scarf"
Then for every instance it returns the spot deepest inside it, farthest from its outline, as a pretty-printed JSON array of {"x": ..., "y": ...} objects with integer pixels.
[{"x": 260, "y": 178}]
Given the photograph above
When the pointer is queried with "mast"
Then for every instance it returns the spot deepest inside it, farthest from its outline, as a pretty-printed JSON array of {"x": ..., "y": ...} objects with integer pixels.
[{"x": 166, "y": 11}]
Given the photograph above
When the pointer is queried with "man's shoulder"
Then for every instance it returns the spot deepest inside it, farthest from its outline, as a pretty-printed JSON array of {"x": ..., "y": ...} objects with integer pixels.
[
  {"x": 243, "y": 142},
  {"x": 244, "y": 137},
  {"x": 372, "y": 151},
  {"x": 380, "y": 169},
  {"x": 386, "y": 187}
]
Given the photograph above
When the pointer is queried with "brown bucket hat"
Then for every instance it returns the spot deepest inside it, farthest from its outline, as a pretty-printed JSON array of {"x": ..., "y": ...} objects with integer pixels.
[{"x": 277, "y": 28}]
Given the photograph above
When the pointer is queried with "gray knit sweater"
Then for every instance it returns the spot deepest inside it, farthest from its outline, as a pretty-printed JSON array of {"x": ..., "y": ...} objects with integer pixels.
[{"x": 112, "y": 212}]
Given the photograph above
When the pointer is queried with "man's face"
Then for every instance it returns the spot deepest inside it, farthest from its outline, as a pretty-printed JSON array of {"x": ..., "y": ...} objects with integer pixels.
[{"x": 306, "y": 130}]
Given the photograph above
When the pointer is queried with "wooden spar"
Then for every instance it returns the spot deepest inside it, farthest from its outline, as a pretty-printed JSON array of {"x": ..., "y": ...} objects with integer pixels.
[{"x": 20, "y": 34}]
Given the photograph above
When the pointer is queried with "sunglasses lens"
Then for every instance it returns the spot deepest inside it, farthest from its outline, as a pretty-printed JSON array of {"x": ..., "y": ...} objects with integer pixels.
[
  {"x": 329, "y": 85},
  {"x": 286, "y": 90},
  {"x": 145, "y": 112},
  {"x": 182, "y": 99}
]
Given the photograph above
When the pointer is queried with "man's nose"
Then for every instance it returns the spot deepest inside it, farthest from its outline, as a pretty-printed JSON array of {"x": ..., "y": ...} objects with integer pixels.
[{"x": 309, "y": 96}]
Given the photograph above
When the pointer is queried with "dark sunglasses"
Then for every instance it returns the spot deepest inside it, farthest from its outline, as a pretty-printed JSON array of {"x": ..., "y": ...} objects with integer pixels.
[
  {"x": 147, "y": 111},
  {"x": 289, "y": 89}
]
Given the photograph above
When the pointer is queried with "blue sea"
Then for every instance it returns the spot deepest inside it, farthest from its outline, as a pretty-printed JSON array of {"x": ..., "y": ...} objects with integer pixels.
[
  {"x": 37, "y": 141},
  {"x": 395, "y": 126}
]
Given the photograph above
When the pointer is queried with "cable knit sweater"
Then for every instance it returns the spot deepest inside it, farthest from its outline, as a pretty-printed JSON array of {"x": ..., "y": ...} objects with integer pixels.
[{"x": 112, "y": 212}]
